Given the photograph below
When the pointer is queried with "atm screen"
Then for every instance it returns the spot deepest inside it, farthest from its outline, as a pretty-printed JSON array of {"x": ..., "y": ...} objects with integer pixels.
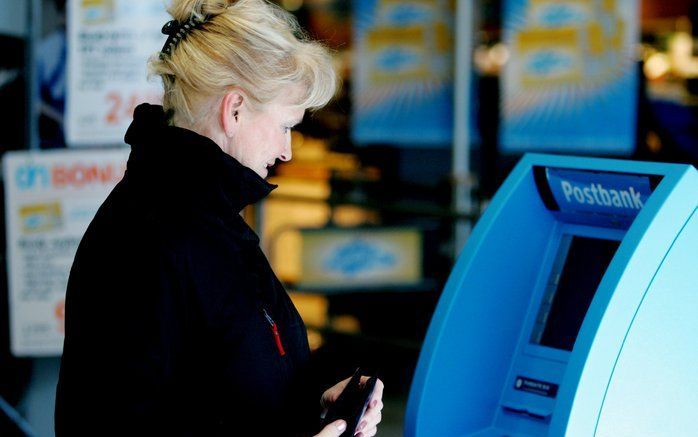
[{"x": 579, "y": 265}]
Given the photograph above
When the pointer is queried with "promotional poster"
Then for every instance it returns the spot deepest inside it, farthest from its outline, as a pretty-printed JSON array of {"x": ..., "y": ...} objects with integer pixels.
[
  {"x": 571, "y": 82},
  {"x": 50, "y": 198},
  {"x": 110, "y": 42},
  {"x": 403, "y": 77}
]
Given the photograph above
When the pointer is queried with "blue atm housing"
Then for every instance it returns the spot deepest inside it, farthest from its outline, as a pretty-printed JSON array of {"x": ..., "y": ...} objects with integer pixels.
[{"x": 572, "y": 310}]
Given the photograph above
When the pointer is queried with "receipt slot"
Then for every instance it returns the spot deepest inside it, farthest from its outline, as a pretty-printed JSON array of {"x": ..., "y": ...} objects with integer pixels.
[{"x": 572, "y": 310}]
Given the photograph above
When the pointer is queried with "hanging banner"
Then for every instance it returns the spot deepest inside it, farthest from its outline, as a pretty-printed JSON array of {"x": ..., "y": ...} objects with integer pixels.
[
  {"x": 109, "y": 44},
  {"x": 50, "y": 198},
  {"x": 570, "y": 84},
  {"x": 402, "y": 76}
]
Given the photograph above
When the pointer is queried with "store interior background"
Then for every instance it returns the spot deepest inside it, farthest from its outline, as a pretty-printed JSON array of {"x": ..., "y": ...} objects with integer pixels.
[{"x": 333, "y": 183}]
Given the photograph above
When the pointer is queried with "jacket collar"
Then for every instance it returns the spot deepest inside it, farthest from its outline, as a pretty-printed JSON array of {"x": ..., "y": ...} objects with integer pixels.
[{"x": 189, "y": 163}]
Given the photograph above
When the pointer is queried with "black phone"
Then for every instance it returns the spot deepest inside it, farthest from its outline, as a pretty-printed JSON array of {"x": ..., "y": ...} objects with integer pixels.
[{"x": 351, "y": 403}]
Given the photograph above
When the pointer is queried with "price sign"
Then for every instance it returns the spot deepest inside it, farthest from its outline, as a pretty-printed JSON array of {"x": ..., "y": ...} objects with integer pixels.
[{"x": 109, "y": 44}]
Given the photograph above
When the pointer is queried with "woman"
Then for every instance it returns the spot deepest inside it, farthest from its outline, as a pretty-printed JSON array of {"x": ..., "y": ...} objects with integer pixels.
[{"x": 175, "y": 323}]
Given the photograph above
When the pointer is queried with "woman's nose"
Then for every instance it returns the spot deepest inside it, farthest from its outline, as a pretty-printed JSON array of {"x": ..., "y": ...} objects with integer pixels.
[{"x": 286, "y": 153}]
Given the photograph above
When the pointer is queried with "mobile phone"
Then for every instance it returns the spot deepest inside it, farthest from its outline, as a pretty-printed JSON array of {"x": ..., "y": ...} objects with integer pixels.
[{"x": 351, "y": 403}]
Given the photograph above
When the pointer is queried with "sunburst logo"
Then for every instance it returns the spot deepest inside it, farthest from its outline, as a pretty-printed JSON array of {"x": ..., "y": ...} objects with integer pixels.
[
  {"x": 564, "y": 52},
  {"x": 406, "y": 49},
  {"x": 358, "y": 257}
]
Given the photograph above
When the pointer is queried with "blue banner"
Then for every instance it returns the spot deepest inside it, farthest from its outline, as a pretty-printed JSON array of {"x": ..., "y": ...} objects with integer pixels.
[
  {"x": 612, "y": 196},
  {"x": 570, "y": 84},
  {"x": 402, "y": 78}
]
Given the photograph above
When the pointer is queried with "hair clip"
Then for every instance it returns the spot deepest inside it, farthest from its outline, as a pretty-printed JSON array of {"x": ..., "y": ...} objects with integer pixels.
[{"x": 177, "y": 31}]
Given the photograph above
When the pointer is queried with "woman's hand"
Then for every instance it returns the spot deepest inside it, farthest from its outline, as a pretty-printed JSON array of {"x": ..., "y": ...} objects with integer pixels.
[
  {"x": 368, "y": 426},
  {"x": 334, "y": 429}
]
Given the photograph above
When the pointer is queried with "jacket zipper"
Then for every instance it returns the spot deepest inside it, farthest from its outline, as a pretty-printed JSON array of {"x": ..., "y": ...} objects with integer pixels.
[{"x": 275, "y": 332}]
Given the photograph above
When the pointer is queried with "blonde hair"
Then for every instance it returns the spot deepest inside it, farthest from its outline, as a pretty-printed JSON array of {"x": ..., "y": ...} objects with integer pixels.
[{"x": 253, "y": 45}]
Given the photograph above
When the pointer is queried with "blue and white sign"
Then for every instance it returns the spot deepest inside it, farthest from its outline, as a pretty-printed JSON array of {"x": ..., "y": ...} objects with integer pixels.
[
  {"x": 359, "y": 256},
  {"x": 571, "y": 82},
  {"x": 620, "y": 196},
  {"x": 337, "y": 259},
  {"x": 402, "y": 80}
]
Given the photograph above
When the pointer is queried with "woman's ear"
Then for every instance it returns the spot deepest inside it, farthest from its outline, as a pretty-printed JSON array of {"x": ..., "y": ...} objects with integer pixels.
[{"x": 231, "y": 105}]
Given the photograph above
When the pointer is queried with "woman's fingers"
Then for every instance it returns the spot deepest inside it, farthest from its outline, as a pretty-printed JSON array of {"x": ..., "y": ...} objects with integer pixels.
[
  {"x": 368, "y": 433},
  {"x": 377, "y": 391},
  {"x": 332, "y": 393},
  {"x": 373, "y": 415},
  {"x": 334, "y": 429},
  {"x": 370, "y": 419}
]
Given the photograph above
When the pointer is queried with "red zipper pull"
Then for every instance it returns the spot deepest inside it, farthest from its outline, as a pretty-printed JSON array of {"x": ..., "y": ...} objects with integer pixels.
[
  {"x": 275, "y": 331},
  {"x": 277, "y": 339}
]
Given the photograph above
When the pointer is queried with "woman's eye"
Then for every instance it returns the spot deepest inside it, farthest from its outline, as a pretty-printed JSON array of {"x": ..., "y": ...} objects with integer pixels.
[{"x": 287, "y": 130}]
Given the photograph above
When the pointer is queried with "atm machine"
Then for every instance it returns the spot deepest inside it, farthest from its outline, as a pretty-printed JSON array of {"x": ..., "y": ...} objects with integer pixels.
[{"x": 572, "y": 310}]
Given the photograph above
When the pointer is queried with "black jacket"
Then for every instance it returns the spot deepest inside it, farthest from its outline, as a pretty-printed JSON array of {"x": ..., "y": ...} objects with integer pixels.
[{"x": 166, "y": 331}]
